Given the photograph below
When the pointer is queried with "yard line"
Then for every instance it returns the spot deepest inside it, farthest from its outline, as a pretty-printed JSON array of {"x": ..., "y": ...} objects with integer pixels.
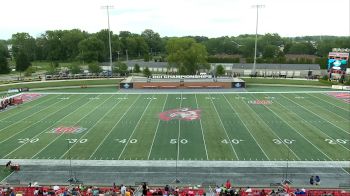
[
  {"x": 39, "y": 103},
  {"x": 200, "y": 122},
  {"x": 222, "y": 124},
  {"x": 29, "y": 115},
  {"x": 40, "y": 132},
  {"x": 317, "y": 115},
  {"x": 271, "y": 129},
  {"x": 138, "y": 122},
  {"x": 91, "y": 127},
  {"x": 178, "y": 136},
  {"x": 297, "y": 130},
  {"x": 31, "y": 124},
  {"x": 246, "y": 127},
  {"x": 334, "y": 114},
  {"x": 328, "y": 102},
  {"x": 113, "y": 127},
  {"x": 63, "y": 133},
  {"x": 316, "y": 127},
  {"x": 155, "y": 134}
]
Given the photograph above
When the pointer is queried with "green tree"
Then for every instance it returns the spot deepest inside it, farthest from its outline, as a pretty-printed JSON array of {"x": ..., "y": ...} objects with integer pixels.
[
  {"x": 29, "y": 71},
  {"x": 91, "y": 49},
  {"x": 75, "y": 68},
  {"x": 220, "y": 70},
  {"x": 122, "y": 69},
  {"x": 147, "y": 72},
  {"x": 94, "y": 68},
  {"x": 22, "y": 61},
  {"x": 187, "y": 53},
  {"x": 153, "y": 40},
  {"x": 23, "y": 42},
  {"x": 4, "y": 54},
  {"x": 51, "y": 69},
  {"x": 270, "y": 51},
  {"x": 70, "y": 40},
  {"x": 136, "y": 68}
]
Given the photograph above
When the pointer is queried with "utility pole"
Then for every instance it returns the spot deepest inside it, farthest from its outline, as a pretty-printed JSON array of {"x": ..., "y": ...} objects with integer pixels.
[
  {"x": 256, "y": 34},
  {"x": 107, "y": 7}
]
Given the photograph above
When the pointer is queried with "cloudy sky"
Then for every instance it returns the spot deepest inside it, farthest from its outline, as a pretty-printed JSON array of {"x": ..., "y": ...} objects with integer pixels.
[{"x": 211, "y": 18}]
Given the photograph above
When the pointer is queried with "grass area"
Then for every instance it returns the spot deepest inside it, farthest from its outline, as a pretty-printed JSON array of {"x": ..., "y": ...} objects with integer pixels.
[
  {"x": 267, "y": 88},
  {"x": 287, "y": 81},
  {"x": 347, "y": 169},
  {"x": 241, "y": 126},
  {"x": 58, "y": 83},
  {"x": 4, "y": 172},
  {"x": 94, "y": 89}
]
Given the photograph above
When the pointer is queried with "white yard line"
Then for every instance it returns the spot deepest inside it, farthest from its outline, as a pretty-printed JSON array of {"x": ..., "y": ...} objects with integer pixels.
[
  {"x": 88, "y": 131},
  {"x": 247, "y": 128},
  {"x": 271, "y": 130},
  {"x": 30, "y": 107},
  {"x": 76, "y": 122},
  {"x": 316, "y": 127},
  {"x": 155, "y": 134},
  {"x": 178, "y": 136},
  {"x": 42, "y": 131},
  {"x": 132, "y": 133},
  {"x": 317, "y": 115},
  {"x": 200, "y": 122},
  {"x": 110, "y": 131},
  {"x": 297, "y": 130},
  {"x": 331, "y": 102},
  {"x": 329, "y": 111},
  {"x": 33, "y": 123},
  {"x": 223, "y": 126},
  {"x": 29, "y": 115}
]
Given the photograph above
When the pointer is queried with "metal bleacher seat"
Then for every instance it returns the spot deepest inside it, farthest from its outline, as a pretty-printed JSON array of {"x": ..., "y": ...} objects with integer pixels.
[
  {"x": 247, "y": 72},
  {"x": 297, "y": 74},
  {"x": 290, "y": 74}
]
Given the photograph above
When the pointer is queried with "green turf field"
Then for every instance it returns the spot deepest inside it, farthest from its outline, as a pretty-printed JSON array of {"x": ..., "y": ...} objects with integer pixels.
[{"x": 228, "y": 126}]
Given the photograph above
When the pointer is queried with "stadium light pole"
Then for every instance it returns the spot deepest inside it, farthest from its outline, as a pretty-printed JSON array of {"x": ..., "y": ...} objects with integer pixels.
[
  {"x": 107, "y": 7},
  {"x": 256, "y": 34}
]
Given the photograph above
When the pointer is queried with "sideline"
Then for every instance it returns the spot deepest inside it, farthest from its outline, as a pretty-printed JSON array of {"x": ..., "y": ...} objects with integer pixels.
[
  {"x": 209, "y": 91},
  {"x": 161, "y": 163}
]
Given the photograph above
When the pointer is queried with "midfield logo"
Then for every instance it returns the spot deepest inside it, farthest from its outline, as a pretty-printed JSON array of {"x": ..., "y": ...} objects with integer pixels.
[
  {"x": 64, "y": 129},
  {"x": 186, "y": 114}
]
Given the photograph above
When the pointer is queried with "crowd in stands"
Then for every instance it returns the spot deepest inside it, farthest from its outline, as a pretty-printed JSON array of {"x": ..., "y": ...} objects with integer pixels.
[
  {"x": 144, "y": 190},
  {"x": 163, "y": 191}
]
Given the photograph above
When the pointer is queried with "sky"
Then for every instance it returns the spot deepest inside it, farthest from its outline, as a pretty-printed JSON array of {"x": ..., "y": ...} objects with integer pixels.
[{"x": 210, "y": 18}]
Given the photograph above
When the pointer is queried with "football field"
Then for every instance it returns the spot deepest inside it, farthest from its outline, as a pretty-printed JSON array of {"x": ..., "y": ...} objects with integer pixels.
[{"x": 246, "y": 126}]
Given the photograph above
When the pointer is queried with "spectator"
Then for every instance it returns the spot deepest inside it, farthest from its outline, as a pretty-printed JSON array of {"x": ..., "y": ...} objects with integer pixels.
[
  {"x": 312, "y": 180},
  {"x": 123, "y": 190},
  {"x": 144, "y": 189},
  {"x": 317, "y": 180},
  {"x": 228, "y": 184},
  {"x": 218, "y": 190}
]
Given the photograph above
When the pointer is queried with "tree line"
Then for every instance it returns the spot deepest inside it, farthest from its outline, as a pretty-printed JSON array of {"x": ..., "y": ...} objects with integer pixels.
[{"x": 188, "y": 53}]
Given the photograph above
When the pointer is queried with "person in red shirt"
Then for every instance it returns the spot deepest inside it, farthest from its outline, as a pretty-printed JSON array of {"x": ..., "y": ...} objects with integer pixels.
[{"x": 228, "y": 184}]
